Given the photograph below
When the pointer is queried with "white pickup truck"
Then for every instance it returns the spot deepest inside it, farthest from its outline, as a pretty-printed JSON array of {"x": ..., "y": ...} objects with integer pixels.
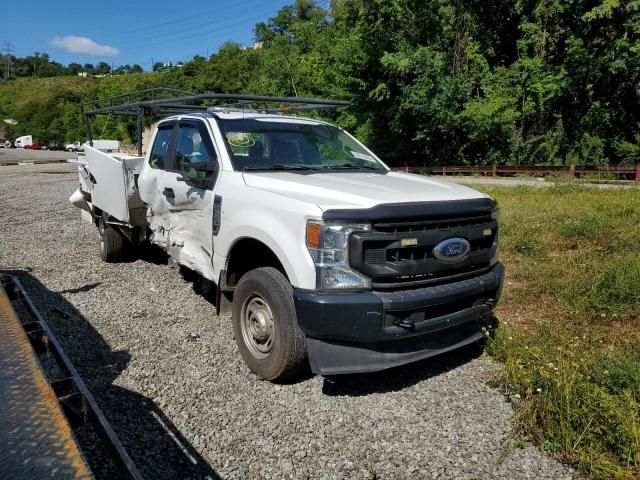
[{"x": 314, "y": 246}]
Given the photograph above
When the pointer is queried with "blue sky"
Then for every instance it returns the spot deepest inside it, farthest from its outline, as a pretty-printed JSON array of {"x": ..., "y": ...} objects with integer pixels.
[{"x": 133, "y": 31}]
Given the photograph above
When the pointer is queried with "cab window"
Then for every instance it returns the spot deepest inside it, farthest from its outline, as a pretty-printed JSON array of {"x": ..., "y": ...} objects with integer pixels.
[
  {"x": 195, "y": 156},
  {"x": 160, "y": 150}
]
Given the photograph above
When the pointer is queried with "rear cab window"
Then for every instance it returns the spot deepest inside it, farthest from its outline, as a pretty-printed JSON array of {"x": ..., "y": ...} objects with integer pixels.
[
  {"x": 196, "y": 156},
  {"x": 160, "y": 150}
]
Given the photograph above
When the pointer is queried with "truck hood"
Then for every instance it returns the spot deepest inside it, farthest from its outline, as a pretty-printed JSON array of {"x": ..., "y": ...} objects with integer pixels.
[{"x": 358, "y": 189}]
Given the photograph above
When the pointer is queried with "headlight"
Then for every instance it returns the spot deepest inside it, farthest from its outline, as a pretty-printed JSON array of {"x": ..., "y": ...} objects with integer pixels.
[{"x": 328, "y": 244}]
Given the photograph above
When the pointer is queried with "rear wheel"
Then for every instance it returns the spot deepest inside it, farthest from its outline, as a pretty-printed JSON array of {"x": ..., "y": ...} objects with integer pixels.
[
  {"x": 111, "y": 243},
  {"x": 265, "y": 325}
]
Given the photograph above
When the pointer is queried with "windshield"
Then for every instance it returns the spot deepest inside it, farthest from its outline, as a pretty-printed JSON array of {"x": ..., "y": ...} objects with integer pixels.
[{"x": 256, "y": 144}]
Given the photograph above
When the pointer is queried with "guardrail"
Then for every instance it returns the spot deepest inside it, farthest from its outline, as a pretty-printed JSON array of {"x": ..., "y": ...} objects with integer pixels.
[{"x": 631, "y": 172}]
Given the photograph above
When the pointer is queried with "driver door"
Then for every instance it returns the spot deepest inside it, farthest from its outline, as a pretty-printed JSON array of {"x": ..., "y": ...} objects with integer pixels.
[{"x": 188, "y": 189}]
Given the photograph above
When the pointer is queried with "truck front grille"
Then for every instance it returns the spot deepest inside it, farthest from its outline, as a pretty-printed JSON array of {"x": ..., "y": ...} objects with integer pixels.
[{"x": 398, "y": 253}]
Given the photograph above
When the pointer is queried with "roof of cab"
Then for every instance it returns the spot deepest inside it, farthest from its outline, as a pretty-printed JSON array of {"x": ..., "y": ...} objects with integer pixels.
[{"x": 239, "y": 115}]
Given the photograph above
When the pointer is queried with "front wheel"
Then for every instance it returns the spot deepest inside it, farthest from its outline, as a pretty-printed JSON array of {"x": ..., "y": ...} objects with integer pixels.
[{"x": 265, "y": 325}]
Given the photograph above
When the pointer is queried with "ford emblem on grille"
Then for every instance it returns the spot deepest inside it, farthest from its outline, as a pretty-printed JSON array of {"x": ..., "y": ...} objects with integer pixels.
[{"x": 451, "y": 249}]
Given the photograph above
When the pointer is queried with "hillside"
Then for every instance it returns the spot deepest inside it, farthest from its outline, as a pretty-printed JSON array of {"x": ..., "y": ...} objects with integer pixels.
[{"x": 434, "y": 82}]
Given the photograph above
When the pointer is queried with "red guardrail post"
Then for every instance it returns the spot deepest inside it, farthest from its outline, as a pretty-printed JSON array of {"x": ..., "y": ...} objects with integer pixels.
[
  {"x": 638, "y": 172},
  {"x": 494, "y": 171}
]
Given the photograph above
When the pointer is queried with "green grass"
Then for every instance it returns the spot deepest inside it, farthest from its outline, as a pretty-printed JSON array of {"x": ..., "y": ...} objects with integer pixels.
[{"x": 569, "y": 334}]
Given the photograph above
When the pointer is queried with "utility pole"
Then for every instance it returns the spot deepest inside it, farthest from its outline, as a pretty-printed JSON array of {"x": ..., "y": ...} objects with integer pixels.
[{"x": 8, "y": 54}]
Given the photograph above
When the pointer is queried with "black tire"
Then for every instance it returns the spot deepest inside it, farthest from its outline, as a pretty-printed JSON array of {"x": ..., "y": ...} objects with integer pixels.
[
  {"x": 284, "y": 353},
  {"x": 111, "y": 244}
]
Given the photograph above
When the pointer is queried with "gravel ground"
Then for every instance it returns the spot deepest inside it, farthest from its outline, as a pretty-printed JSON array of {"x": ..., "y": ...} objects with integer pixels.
[{"x": 168, "y": 376}]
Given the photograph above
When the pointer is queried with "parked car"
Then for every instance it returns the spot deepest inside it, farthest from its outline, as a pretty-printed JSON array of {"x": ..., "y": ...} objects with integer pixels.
[
  {"x": 74, "y": 147},
  {"x": 33, "y": 146},
  {"x": 54, "y": 147}
]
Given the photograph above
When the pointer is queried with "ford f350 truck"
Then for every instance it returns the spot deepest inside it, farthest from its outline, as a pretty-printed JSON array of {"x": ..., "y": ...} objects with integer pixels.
[{"x": 315, "y": 247}]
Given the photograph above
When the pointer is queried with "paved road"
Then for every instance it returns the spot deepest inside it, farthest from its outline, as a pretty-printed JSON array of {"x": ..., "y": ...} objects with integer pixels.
[{"x": 9, "y": 156}]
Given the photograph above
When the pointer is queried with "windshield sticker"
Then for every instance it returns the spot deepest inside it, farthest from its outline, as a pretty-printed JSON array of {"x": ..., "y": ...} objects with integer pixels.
[
  {"x": 362, "y": 156},
  {"x": 240, "y": 139}
]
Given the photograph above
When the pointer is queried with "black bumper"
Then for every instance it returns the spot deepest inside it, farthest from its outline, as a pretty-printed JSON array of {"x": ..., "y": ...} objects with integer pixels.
[{"x": 370, "y": 331}]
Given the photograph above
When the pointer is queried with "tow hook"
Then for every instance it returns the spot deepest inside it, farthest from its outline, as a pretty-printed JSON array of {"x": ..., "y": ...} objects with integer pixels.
[{"x": 404, "y": 323}]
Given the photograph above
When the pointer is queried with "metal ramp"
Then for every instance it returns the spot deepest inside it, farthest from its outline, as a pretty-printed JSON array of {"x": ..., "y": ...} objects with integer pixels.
[{"x": 37, "y": 416}]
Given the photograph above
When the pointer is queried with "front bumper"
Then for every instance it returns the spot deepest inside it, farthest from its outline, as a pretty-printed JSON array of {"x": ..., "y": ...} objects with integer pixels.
[{"x": 369, "y": 331}]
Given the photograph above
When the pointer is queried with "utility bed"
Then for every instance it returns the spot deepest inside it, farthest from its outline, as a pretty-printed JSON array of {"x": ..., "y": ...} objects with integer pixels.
[{"x": 108, "y": 181}]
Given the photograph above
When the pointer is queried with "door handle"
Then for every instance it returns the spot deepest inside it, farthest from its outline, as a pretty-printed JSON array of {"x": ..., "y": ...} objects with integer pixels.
[{"x": 169, "y": 193}]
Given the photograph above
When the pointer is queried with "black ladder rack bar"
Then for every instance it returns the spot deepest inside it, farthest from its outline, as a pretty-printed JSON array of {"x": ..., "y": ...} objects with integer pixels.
[
  {"x": 128, "y": 96},
  {"x": 181, "y": 104}
]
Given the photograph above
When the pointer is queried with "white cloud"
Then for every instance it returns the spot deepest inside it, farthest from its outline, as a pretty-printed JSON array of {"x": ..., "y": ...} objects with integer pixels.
[{"x": 76, "y": 44}]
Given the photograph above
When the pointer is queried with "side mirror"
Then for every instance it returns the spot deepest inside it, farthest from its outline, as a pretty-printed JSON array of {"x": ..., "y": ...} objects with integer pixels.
[
  {"x": 197, "y": 182},
  {"x": 201, "y": 182},
  {"x": 205, "y": 183},
  {"x": 205, "y": 166}
]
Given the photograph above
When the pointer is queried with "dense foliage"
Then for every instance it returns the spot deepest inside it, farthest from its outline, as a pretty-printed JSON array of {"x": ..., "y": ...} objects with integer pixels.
[{"x": 432, "y": 81}]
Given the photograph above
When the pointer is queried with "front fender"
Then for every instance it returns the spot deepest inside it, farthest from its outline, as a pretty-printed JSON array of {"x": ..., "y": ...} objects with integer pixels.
[{"x": 276, "y": 221}]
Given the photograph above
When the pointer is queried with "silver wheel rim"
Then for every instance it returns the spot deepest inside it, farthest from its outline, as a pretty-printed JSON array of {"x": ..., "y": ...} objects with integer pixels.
[{"x": 257, "y": 326}]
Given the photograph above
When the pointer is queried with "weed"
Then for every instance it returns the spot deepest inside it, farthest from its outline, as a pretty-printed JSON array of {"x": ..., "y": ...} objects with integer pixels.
[
  {"x": 618, "y": 374},
  {"x": 559, "y": 178},
  {"x": 570, "y": 333},
  {"x": 599, "y": 177},
  {"x": 525, "y": 247},
  {"x": 564, "y": 188},
  {"x": 580, "y": 227}
]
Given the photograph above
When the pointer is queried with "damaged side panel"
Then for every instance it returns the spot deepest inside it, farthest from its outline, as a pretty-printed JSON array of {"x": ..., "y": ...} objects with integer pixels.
[{"x": 180, "y": 218}]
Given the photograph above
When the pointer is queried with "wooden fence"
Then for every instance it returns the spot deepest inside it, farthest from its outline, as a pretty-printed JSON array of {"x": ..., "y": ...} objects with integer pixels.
[{"x": 627, "y": 172}]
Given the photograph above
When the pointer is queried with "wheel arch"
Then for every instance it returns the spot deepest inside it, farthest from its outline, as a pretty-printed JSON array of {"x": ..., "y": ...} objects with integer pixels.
[{"x": 245, "y": 254}]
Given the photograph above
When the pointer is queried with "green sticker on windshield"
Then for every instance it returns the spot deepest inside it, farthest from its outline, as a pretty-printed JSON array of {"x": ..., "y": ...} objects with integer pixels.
[{"x": 240, "y": 139}]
